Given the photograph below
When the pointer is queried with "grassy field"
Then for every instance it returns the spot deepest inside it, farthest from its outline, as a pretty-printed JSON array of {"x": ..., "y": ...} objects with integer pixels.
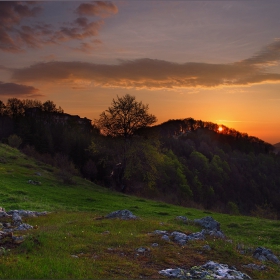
[{"x": 74, "y": 241}]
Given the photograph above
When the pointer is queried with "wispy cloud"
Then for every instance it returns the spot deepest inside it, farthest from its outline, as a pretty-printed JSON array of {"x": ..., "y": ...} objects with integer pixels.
[
  {"x": 18, "y": 90},
  {"x": 269, "y": 55}
]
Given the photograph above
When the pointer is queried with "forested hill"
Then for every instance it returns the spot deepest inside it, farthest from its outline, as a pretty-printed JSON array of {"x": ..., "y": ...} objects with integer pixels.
[
  {"x": 187, "y": 162},
  {"x": 276, "y": 147},
  {"x": 223, "y": 136}
]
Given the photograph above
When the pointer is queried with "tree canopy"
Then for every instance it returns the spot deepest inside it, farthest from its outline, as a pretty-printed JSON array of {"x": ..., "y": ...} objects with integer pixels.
[{"x": 124, "y": 117}]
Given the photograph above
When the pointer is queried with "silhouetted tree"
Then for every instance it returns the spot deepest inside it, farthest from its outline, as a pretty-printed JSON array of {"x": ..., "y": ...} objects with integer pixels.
[
  {"x": 124, "y": 117},
  {"x": 14, "y": 107}
]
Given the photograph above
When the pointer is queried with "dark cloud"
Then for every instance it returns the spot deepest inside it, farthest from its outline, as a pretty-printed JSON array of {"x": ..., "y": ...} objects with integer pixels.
[
  {"x": 81, "y": 30},
  {"x": 15, "y": 37},
  {"x": 97, "y": 8},
  {"x": 17, "y": 90},
  {"x": 11, "y": 14}
]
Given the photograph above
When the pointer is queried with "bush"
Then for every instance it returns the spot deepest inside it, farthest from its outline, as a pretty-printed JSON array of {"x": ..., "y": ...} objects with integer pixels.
[
  {"x": 265, "y": 211},
  {"x": 14, "y": 141},
  {"x": 232, "y": 208}
]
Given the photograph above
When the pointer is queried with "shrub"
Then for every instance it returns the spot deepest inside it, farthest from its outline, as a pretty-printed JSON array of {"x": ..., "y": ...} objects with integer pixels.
[
  {"x": 232, "y": 208},
  {"x": 265, "y": 211},
  {"x": 14, "y": 141}
]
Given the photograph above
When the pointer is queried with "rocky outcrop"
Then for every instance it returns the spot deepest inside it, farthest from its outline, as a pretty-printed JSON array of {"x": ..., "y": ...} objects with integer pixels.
[
  {"x": 27, "y": 213},
  {"x": 210, "y": 270},
  {"x": 179, "y": 237},
  {"x": 11, "y": 222},
  {"x": 263, "y": 254},
  {"x": 122, "y": 214},
  {"x": 211, "y": 228}
]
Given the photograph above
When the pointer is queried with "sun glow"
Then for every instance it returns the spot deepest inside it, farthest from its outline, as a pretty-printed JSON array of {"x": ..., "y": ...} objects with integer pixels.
[{"x": 220, "y": 129}]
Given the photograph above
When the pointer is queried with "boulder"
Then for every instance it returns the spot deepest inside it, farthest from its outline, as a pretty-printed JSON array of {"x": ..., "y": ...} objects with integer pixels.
[
  {"x": 17, "y": 219},
  {"x": 214, "y": 233},
  {"x": 254, "y": 266},
  {"x": 122, "y": 214},
  {"x": 182, "y": 218},
  {"x": 179, "y": 237},
  {"x": 264, "y": 254},
  {"x": 208, "y": 223},
  {"x": 165, "y": 237}
]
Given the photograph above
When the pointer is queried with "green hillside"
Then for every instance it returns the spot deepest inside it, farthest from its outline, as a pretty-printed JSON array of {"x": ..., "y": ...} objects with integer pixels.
[{"x": 75, "y": 241}]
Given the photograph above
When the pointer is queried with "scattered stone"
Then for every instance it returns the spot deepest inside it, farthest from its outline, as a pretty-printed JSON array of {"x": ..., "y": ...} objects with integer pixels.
[
  {"x": 75, "y": 256},
  {"x": 38, "y": 174},
  {"x": 254, "y": 266},
  {"x": 18, "y": 239},
  {"x": 210, "y": 270},
  {"x": 3, "y": 213},
  {"x": 34, "y": 182},
  {"x": 16, "y": 219},
  {"x": 208, "y": 223},
  {"x": 27, "y": 213},
  {"x": 182, "y": 238},
  {"x": 155, "y": 245},
  {"x": 16, "y": 224},
  {"x": 122, "y": 214},
  {"x": 263, "y": 254},
  {"x": 160, "y": 232},
  {"x": 196, "y": 236},
  {"x": 7, "y": 225},
  {"x": 206, "y": 247},
  {"x": 23, "y": 227},
  {"x": 182, "y": 218},
  {"x": 214, "y": 233},
  {"x": 176, "y": 273},
  {"x": 4, "y": 234},
  {"x": 179, "y": 237},
  {"x": 142, "y": 250},
  {"x": 165, "y": 237}
]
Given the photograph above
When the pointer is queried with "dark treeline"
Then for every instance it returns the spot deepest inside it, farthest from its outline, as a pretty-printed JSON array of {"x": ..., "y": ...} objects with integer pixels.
[{"x": 187, "y": 162}]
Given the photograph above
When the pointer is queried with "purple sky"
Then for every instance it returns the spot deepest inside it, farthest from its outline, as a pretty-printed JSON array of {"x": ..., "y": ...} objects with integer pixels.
[{"x": 212, "y": 60}]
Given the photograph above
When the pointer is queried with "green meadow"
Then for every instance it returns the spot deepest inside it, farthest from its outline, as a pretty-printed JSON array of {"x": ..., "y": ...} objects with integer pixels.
[{"x": 75, "y": 240}]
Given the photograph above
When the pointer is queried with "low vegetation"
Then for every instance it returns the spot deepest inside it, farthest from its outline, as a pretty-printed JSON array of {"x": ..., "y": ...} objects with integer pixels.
[{"x": 75, "y": 241}]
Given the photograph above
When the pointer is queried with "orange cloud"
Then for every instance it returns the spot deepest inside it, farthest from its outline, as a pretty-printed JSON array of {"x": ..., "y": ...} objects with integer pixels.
[
  {"x": 17, "y": 90},
  {"x": 148, "y": 73}
]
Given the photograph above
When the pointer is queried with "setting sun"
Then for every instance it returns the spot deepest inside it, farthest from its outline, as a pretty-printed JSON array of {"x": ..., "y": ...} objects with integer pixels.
[{"x": 220, "y": 129}]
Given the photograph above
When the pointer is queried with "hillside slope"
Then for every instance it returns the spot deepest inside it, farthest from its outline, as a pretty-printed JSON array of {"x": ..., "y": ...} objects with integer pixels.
[{"x": 75, "y": 241}]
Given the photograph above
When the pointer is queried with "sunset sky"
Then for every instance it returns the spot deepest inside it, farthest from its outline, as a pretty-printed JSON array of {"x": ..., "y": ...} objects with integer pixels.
[{"x": 216, "y": 61}]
